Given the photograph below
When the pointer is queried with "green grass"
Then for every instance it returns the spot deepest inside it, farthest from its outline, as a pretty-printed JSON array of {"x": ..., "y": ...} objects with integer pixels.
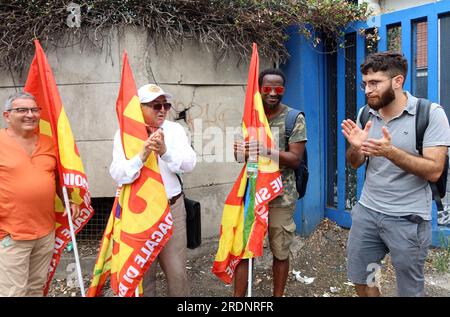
[{"x": 442, "y": 261}]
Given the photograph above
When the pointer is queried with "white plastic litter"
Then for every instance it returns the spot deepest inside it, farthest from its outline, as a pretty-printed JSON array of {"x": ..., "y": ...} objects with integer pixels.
[
  {"x": 349, "y": 284},
  {"x": 334, "y": 289},
  {"x": 304, "y": 279}
]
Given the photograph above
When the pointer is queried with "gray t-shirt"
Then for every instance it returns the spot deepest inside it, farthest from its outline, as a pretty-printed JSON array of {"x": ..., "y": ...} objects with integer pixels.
[{"x": 389, "y": 189}]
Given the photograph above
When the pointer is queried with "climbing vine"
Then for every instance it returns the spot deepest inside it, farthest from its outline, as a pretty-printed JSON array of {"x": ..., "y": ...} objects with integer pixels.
[{"x": 231, "y": 25}]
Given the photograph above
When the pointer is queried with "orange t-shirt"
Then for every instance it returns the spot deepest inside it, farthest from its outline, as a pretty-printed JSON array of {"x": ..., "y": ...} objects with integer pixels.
[{"x": 27, "y": 188}]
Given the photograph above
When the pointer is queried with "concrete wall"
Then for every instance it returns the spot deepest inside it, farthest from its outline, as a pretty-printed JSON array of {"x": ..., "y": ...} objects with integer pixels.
[
  {"x": 386, "y": 6},
  {"x": 88, "y": 81},
  {"x": 394, "y": 5}
]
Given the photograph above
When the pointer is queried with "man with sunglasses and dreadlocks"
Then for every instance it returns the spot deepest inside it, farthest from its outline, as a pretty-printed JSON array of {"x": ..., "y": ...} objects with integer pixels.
[
  {"x": 393, "y": 214},
  {"x": 281, "y": 227},
  {"x": 175, "y": 156}
]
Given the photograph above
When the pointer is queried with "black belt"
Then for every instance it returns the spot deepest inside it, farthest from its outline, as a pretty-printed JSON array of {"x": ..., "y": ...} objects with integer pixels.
[
  {"x": 413, "y": 218},
  {"x": 174, "y": 199}
]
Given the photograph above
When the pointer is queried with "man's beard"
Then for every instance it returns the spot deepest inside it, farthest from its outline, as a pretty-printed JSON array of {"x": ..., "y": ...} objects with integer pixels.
[
  {"x": 271, "y": 106},
  {"x": 386, "y": 98}
]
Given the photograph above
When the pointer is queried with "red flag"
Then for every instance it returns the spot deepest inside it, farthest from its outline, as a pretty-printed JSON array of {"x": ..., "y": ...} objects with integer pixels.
[
  {"x": 54, "y": 123},
  {"x": 140, "y": 223},
  {"x": 245, "y": 214}
]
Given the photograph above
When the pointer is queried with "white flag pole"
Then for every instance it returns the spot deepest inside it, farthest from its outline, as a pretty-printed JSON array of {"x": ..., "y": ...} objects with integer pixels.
[
  {"x": 137, "y": 290},
  {"x": 250, "y": 277},
  {"x": 74, "y": 241}
]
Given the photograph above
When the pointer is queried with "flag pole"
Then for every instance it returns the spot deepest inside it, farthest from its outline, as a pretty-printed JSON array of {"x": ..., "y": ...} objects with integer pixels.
[
  {"x": 74, "y": 241},
  {"x": 252, "y": 172},
  {"x": 250, "y": 277}
]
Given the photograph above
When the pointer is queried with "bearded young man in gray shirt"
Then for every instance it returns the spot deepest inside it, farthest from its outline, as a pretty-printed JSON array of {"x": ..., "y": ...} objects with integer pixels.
[{"x": 393, "y": 214}]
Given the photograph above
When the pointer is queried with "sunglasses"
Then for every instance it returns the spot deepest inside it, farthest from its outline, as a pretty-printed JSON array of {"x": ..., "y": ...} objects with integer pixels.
[
  {"x": 158, "y": 106},
  {"x": 279, "y": 90}
]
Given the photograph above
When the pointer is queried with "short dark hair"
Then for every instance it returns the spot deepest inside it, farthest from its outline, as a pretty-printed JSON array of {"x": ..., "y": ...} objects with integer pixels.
[
  {"x": 271, "y": 71},
  {"x": 392, "y": 63}
]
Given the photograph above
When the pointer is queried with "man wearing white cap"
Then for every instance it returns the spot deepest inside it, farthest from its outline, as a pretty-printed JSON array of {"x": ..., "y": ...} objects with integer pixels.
[{"x": 175, "y": 155}]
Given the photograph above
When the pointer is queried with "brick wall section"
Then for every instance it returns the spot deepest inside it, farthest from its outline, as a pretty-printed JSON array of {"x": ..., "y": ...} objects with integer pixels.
[{"x": 422, "y": 45}]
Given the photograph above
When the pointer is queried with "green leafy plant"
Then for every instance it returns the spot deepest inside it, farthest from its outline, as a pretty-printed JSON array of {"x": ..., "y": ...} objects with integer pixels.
[
  {"x": 232, "y": 25},
  {"x": 394, "y": 39},
  {"x": 442, "y": 261}
]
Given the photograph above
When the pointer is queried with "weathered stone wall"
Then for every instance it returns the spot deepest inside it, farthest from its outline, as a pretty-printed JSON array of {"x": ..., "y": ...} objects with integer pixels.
[{"x": 214, "y": 92}]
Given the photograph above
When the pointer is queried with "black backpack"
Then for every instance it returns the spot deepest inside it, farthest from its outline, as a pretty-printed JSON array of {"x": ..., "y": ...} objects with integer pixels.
[
  {"x": 439, "y": 188},
  {"x": 301, "y": 173}
]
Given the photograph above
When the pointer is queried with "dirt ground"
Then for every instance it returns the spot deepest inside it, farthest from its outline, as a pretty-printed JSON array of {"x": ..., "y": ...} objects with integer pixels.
[{"x": 319, "y": 259}]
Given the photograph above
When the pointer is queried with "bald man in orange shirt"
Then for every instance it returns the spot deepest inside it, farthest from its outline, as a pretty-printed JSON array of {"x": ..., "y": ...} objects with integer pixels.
[{"x": 28, "y": 184}]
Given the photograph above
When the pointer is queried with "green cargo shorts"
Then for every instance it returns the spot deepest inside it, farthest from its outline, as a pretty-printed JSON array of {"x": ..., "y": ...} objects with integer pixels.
[{"x": 281, "y": 231}]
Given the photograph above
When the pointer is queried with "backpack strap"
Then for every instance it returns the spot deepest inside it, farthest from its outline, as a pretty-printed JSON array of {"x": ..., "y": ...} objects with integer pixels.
[
  {"x": 422, "y": 119},
  {"x": 291, "y": 118},
  {"x": 364, "y": 117}
]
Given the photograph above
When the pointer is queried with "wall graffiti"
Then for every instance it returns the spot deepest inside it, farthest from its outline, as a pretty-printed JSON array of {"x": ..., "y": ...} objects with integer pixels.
[{"x": 219, "y": 115}]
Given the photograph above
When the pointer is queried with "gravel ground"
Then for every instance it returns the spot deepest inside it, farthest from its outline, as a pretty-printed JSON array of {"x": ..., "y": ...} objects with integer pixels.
[{"x": 317, "y": 269}]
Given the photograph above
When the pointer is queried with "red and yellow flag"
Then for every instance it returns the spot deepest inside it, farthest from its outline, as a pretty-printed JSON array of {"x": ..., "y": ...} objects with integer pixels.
[
  {"x": 245, "y": 215},
  {"x": 140, "y": 223},
  {"x": 54, "y": 123}
]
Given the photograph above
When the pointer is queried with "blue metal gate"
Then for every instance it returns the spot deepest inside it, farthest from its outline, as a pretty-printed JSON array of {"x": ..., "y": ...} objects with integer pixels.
[{"x": 423, "y": 36}]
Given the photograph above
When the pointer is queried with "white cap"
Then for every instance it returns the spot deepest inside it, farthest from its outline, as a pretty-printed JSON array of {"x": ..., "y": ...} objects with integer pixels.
[{"x": 150, "y": 92}]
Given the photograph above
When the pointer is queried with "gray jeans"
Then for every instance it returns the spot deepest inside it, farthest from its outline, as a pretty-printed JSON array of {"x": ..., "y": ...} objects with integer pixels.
[
  {"x": 373, "y": 235},
  {"x": 172, "y": 258}
]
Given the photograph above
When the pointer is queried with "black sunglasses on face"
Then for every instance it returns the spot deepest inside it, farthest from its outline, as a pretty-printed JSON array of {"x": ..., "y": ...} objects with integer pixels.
[{"x": 158, "y": 106}]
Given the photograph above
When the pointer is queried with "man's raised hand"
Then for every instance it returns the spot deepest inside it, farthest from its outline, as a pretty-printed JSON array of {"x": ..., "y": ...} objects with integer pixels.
[{"x": 354, "y": 134}]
